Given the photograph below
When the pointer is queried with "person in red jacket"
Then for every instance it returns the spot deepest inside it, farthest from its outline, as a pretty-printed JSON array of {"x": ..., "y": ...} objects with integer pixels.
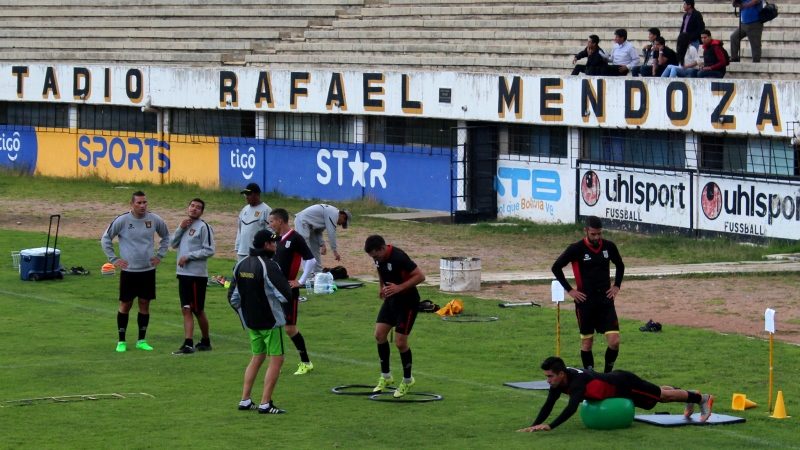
[{"x": 714, "y": 60}]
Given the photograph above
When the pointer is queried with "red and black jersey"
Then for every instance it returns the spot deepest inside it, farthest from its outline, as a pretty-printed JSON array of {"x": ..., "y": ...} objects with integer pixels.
[
  {"x": 291, "y": 251},
  {"x": 396, "y": 269},
  {"x": 591, "y": 266},
  {"x": 590, "y": 385}
]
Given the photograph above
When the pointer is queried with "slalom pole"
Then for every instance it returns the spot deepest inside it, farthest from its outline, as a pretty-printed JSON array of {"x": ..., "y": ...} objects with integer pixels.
[
  {"x": 770, "y": 371},
  {"x": 557, "y": 295},
  {"x": 769, "y": 326},
  {"x": 558, "y": 329}
]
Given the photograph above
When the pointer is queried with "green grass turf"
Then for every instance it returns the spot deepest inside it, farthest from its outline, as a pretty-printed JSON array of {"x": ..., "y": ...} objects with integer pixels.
[{"x": 58, "y": 339}]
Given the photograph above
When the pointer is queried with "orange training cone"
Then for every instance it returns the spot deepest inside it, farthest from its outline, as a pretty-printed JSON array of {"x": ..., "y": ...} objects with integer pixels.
[
  {"x": 740, "y": 402},
  {"x": 780, "y": 409}
]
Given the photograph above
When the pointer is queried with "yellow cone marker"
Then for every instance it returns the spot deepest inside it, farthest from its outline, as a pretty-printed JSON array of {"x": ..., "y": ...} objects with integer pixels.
[
  {"x": 740, "y": 402},
  {"x": 780, "y": 409}
]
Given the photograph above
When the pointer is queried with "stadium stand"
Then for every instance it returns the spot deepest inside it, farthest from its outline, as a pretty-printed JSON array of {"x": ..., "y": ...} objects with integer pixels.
[{"x": 460, "y": 35}]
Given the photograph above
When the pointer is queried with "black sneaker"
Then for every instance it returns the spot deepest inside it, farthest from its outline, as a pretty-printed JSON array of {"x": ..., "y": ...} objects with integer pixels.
[
  {"x": 184, "y": 350},
  {"x": 202, "y": 347},
  {"x": 651, "y": 326},
  {"x": 246, "y": 405},
  {"x": 270, "y": 409}
]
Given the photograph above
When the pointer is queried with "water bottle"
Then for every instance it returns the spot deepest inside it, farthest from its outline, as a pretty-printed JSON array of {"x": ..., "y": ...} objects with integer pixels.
[
  {"x": 309, "y": 285},
  {"x": 323, "y": 283}
]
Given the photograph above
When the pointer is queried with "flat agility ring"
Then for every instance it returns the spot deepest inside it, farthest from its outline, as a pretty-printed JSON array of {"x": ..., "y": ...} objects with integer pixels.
[
  {"x": 346, "y": 389},
  {"x": 462, "y": 318},
  {"x": 420, "y": 397}
]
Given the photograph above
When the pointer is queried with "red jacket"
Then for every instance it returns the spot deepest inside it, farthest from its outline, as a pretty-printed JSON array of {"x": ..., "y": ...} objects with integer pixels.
[{"x": 713, "y": 57}]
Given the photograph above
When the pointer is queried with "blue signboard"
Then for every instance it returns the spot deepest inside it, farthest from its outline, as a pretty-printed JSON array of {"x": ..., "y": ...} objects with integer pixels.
[
  {"x": 404, "y": 176},
  {"x": 241, "y": 161},
  {"x": 18, "y": 148}
]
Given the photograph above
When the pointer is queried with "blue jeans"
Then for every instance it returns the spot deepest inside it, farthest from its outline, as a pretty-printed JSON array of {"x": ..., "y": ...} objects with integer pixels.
[{"x": 673, "y": 71}]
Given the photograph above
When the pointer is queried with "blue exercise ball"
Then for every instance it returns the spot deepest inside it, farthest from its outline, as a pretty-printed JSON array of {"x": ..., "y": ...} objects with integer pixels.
[{"x": 608, "y": 414}]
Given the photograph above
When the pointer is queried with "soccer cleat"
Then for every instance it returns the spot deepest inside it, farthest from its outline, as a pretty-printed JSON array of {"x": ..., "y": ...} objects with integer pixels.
[
  {"x": 246, "y": 405},
  {"x": 688, "y": 410},
  {"x": 141, "y": 344},
  {"x": 304, "y": 368},
  {"x": 706, "y": 404},
  {"x": 184, "y": 350},
  {"x": 122, "y": 346},
  {"x": 383, "y": 383},
  {"x": 269, "y": 408},
  {"x": 404, "y": 388},
  {"x": 201, "y": 347}
]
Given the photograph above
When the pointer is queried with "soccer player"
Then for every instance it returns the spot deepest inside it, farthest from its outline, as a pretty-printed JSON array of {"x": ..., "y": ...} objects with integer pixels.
[
  {"x": 399, "y": 277},
  {"x": 594, "y": 295},
  {"x": 137, "y": 261},
  {"x": 291, "y": 250},
  {"x": 260, "y": 291},
  {"x": 194, "y": 239},
  {"x": 586, "y": 384},
  {"x": 315, "y": 219},
  {"x": 252, "y": 217}
]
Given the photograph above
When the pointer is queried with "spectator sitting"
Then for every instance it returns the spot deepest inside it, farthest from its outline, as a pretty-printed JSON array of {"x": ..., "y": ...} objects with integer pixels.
[
  {"x": 714, "y": 61},
  {"x": 690, "y": 67},
  {"x": 691, "y": 27},
  {"x": 650, "y": 55},
  {"x": 623, "y": 56},
  {"x": 595, "y": 58},
  {"x": 666, "y": 57}
]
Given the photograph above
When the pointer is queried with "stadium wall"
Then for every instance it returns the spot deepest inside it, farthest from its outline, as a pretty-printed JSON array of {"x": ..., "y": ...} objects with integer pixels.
[{"x": 556, "y": 190}]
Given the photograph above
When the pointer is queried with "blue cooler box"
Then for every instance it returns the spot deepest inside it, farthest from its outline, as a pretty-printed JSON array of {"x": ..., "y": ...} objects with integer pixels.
[{"x": 32, "y": 263}]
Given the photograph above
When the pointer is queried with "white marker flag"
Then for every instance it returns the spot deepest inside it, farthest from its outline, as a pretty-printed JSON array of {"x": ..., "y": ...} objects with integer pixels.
[
  {"x": 557, "y": 291},
  {"x": 769, "y": 320}
]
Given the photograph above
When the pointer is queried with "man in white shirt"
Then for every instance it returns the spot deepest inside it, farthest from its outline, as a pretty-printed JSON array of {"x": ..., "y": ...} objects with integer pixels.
[
  {"x": 623, "y": 57},
  {"x": 253, "y": 217}
]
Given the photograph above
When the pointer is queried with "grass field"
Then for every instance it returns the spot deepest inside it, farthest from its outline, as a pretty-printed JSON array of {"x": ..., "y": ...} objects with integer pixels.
[{"x": 58, "y": 339}]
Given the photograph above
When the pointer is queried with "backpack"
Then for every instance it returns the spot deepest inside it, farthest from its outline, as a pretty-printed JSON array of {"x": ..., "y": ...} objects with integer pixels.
[
  {"x": 768, "y": 12},
  {"x": 338, "y": 272},
  {"x": 726, "y": 54}
]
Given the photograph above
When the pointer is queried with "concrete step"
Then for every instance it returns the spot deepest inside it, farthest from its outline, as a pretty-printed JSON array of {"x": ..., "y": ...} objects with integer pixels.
[
  {"x": 112, "y": 56},
  {"x": 664, "y": 10},
  {"x": 176, "y": 3},
  {"x": 230, "y": 25},
  {"x": 127, "y": 44},
  {"x": 170, "y": 13},
  {"x": 209, "y": 35}
]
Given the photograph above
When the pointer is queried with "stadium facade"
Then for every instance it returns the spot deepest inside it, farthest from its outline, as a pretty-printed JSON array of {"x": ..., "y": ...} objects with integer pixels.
[{"x": 678, "y": 155}]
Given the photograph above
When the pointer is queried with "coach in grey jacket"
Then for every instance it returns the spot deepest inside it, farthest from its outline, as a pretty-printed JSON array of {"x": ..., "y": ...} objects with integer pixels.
[
  {"x": 194, "y": 239},
  {"x": 137, "y": 261},
  {"x": 315, "y": 219}
]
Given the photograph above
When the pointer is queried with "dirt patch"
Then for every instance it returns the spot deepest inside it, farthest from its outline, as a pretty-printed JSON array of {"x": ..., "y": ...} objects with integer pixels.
[{"x": 733, "y": 304}]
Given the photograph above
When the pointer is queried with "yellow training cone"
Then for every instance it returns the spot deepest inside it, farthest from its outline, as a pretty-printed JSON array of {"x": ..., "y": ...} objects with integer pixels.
[
  {"x": 740, "y": 402},
  {"x": 780, "y": 409}
]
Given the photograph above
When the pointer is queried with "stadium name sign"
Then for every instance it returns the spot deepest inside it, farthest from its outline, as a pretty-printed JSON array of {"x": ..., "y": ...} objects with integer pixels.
[{"x": 713, "y": 106}]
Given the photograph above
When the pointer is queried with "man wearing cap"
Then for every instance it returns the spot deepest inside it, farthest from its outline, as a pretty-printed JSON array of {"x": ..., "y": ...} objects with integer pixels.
[
  {"x": 253, "y": 217},
  {"x": 261, "y": 290},
  {"x": 315, "y": 219}
]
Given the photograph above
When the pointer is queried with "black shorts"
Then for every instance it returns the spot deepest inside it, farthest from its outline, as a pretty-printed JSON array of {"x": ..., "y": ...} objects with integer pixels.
[
  {"x": 399, "y": 313},
  {"x": 596, "y": 314},
  {"x": 642, "y": 393},
  {"x": 290, "y": 308},
  {"x": 192, "y": 291},
  {"x": 137, "y": 284}
]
